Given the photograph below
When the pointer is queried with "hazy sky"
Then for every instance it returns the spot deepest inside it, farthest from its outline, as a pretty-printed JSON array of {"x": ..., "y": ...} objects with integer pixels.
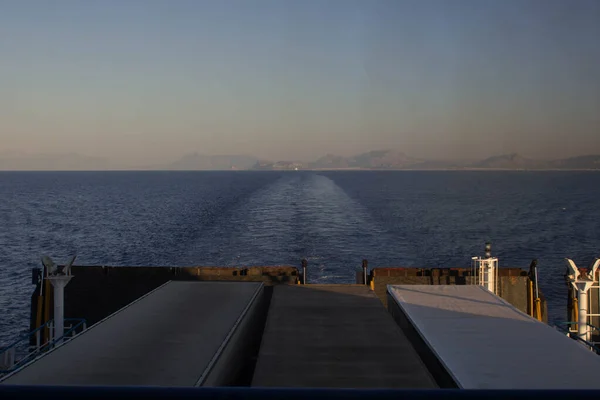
[{"x": 152, "y": 80}]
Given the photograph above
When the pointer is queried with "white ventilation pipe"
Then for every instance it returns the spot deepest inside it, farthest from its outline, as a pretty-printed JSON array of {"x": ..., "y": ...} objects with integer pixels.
[
  {"x": 59, "y": 277},
  {"x": 59, "y": 282},
  {"x": 582, "y": 285}
]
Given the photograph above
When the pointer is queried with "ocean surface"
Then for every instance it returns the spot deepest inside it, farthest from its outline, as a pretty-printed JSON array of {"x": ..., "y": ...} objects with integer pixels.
[{"x": 333, "y": 219}]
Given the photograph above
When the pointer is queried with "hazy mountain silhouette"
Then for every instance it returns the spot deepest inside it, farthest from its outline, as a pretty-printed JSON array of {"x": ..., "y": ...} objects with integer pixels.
[
  {"x": 383, "y": 159},
  {"x": 196, "y": 161},
  {"x": 331, "y": 161},
  {"x": 512, "y": 161},
  {"x": 581, "y": 162},
  {"x": 437, "y": 165},
  {"x": 516, "y": 161},
  {"x": 278, "y": 165},
  {"x": 377, "y": 159},
  {"x": 391, "y": 159}
]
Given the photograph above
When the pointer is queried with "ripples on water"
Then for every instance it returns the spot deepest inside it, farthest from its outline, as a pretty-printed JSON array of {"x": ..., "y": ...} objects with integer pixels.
[{"x": 333, "y": 219}]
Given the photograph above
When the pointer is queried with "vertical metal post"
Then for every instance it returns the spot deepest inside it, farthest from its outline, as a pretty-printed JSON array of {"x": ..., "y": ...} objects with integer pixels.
[
  {"x": 10, "y": 357},
  {"x": 530, "y": 302},
  {"x": 304, "y": 264},
  {"x": 575, "y": 310},
  {"x": 582, "y": 328},
  {"x": 531, "y": 289},
  {"x": 46, "y": 299},
  {"x": 538, "y": 302},
  {"x": 59, "y": 310},
  {"x": 365, "y": 266}
]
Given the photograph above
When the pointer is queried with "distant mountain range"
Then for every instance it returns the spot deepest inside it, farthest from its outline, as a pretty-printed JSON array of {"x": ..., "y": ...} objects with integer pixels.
[
  {"x": 379, "y": 159},
  {"x": 395, "y": 160},
  {"x": 200, "y": 162},
  {"x": 372, "y": 160},
  {"x": 516, "y": 161}
]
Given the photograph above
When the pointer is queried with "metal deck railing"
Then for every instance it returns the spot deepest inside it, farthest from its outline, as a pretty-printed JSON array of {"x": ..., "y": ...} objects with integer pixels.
[
  {"x": 9, "y": 360},
  {"x": 565, "y": 327}
]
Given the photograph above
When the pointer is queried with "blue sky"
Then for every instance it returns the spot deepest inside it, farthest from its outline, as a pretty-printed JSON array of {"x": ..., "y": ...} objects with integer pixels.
[{"x": 142, "y": 80}]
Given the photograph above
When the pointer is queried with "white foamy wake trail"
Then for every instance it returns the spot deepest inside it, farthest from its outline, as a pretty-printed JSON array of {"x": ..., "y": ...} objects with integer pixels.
[{"x": 301, "y": 215}]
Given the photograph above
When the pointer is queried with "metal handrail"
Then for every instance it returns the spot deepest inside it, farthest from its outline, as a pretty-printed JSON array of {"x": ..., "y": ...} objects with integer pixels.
[
  {"x": 80, "y": 323},
  {"x": 23, "y": 337},
  {"x": 572, "y": 335},
  {"x": 575, "y": 323}
]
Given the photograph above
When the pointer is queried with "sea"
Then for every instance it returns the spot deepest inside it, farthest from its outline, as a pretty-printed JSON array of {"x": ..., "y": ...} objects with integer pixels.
[{"x": 334, "y": 219}]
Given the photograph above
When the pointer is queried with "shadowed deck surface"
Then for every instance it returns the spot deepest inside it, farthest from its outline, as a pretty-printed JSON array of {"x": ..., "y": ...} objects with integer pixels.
[
  {"x": 167, "y": 338},
  {"x": 337, "y": 336}
]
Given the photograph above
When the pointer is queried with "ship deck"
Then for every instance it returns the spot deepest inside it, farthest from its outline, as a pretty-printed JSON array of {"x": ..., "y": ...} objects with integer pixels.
[
  {"x": 189, "y": 333},
  {"x": 335, "y": 336},
  {"x": 171, "y": 337},
  {"x": 483, "y": 342}
]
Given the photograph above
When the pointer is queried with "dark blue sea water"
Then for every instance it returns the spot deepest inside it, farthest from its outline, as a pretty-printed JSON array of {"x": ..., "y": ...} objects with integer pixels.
[{"x": 334, "y": 219}]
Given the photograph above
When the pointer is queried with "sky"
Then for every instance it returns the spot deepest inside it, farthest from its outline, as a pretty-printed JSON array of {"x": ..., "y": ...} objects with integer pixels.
[{"x": 149, "y": 81}]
